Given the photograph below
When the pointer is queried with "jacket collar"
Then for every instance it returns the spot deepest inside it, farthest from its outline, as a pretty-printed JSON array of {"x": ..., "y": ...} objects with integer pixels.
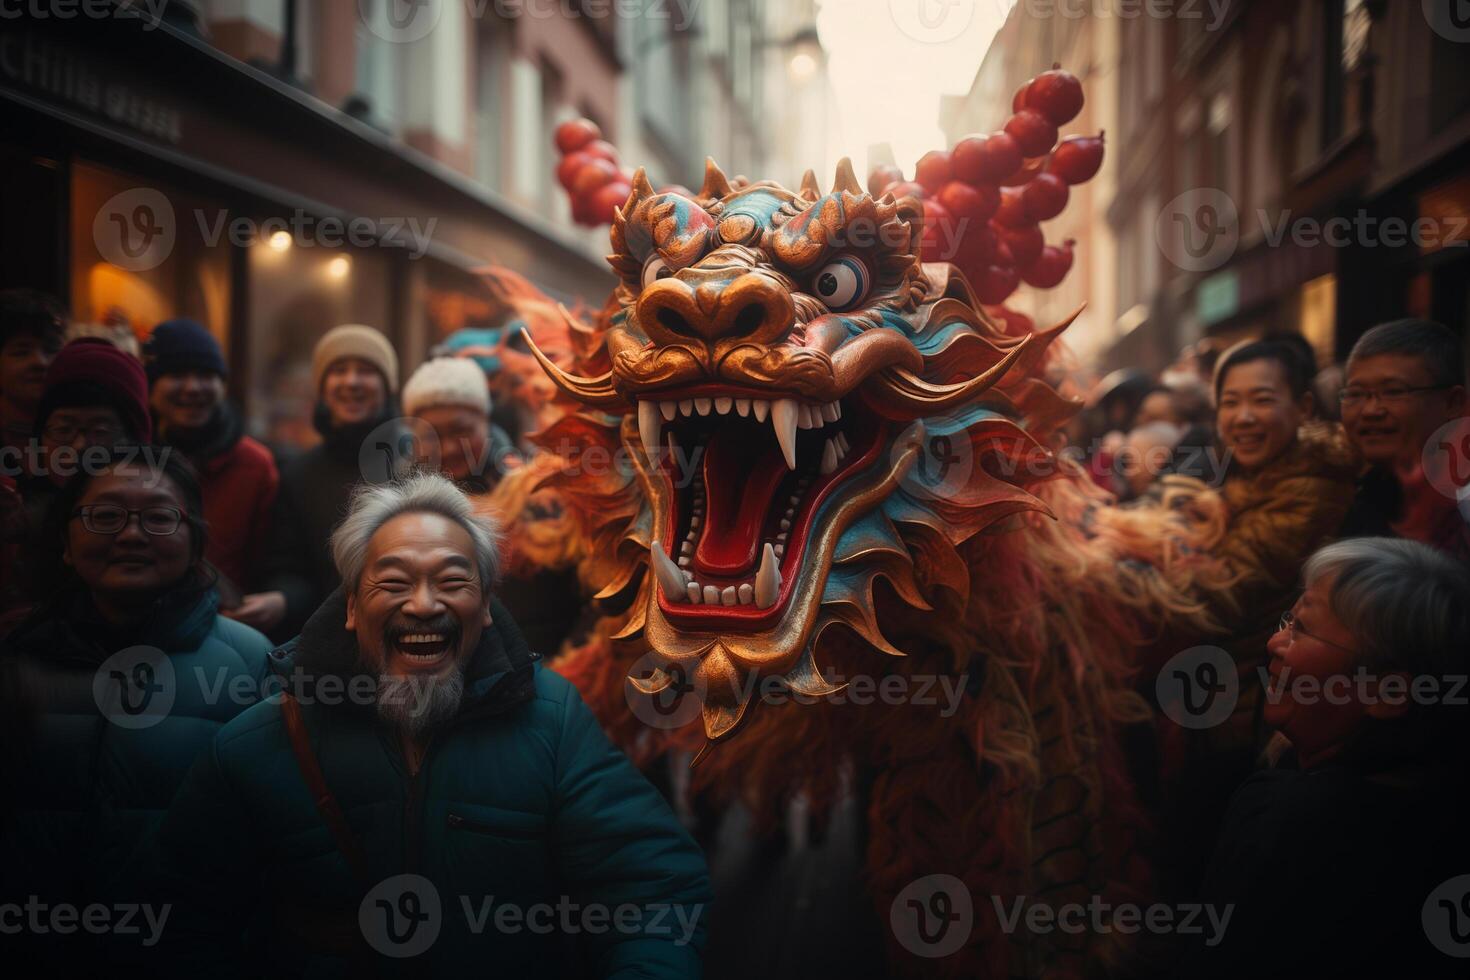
[
  {"x": 76, "y": 631},
  {"x": 499, "y": 675}
]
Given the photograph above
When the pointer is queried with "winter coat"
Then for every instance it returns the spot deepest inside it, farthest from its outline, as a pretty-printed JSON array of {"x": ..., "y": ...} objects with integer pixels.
[
  {"x": 312, "y": 500},
  {"x": 521, "y": 806},
  {"x": 87, "y": 789},
  {"x": 238, "y": 479}
]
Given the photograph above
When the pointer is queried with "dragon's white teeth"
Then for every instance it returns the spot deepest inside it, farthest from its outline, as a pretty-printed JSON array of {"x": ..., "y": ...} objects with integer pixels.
[
  {"x": 693, "y": 522},
  {"x": 727, "y": 595},
  {"x": 684, "y": 561},
  {"x": 687, "y": 548},
  {"x": 829, "y": 458},
  {"x": 767, "y": 579},
  {"x": 711, "y": 595},
  {"x": 783, "y": 420},
  {"x": 695, "y": 594},
  {"x": 669, "y": 576},
  {"x": 843, "y": 444},
  {"x": 837, "y": 408},
  {"x": 649, "y": 427},
  {"x": 742, "y": 406},
  {"x": 722, "y": 405},
  {"x": 803, "y": 417},
  {"x": 779, "y": 549},
  {"x": 785, "y": 523},
  {"x": 746, "y": 594},
  {"x": 760, "y": 408},
  {"x": 669, "y": 410},
  {"x": 686, "y": 406},
  {"x": 702, "y": 405},
  {"x": 829, "y": 411}
]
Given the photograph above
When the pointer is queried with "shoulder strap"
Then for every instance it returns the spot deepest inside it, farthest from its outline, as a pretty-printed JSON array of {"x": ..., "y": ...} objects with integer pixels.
[{"x": 326, "y": 803}]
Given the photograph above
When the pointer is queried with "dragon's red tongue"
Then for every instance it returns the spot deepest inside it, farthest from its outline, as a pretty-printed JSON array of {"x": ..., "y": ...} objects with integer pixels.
[{"x": 741, "y": 475}]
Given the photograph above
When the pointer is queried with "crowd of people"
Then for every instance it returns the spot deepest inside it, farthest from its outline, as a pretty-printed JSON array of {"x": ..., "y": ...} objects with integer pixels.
[{"x": 136, "y": 513}]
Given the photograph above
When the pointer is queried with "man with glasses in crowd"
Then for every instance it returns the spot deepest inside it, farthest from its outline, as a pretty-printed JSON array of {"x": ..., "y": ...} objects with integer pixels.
[{"x": 1405, "y": 389}]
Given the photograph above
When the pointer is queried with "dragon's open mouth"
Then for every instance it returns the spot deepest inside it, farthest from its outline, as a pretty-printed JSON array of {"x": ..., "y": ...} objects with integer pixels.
[{"x": 746, "y": 475}]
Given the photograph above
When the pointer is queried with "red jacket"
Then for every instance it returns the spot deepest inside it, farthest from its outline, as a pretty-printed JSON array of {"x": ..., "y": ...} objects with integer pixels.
[{"x": 239, "y": 486}]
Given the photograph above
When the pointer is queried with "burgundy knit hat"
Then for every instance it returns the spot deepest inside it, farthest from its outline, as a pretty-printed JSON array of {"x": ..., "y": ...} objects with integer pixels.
[{"x": 90, "y": 372}]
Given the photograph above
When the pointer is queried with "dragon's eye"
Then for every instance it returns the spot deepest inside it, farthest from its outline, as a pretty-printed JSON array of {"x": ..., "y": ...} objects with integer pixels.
[
  {"x": 841, "y": 284},
  {"x": 655, "y": 268}
]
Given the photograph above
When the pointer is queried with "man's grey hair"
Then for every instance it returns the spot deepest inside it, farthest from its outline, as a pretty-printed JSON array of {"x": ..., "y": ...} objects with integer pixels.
[
  {"x": 372, "y": 506},
  {"x": 1406, "y": 604},
  {"x": 1433, "y": 343}
]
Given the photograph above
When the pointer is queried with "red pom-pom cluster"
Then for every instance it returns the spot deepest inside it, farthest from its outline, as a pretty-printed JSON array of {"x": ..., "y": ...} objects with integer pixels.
[
  {"x": 984, "y": 200},
  {"x": 590, "y": 172}
]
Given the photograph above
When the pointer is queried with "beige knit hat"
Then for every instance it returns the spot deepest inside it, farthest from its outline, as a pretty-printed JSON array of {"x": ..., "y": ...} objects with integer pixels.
[
  {"x": 447, "y": 381},
  {"x": 354, "y": 340}
]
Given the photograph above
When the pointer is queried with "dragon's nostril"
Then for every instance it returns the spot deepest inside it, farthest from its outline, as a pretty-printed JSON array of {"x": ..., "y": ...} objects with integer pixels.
[
  {"x": 751, "y": 317},
  {"x": 674, "y": 321}
]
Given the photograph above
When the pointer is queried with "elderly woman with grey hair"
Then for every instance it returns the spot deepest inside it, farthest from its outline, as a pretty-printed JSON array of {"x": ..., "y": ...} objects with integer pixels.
[
  {"x": 1332, "y": 859},
  {"x": 424, "y": 788}
]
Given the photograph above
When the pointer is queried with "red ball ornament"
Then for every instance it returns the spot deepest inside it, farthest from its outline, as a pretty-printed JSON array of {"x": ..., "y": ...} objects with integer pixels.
[
  {"x": 573, "y": 135},
  {"x": 999, "y": 156},
  {"x": 994, "y": 283},
  {"x": 1012, "y": 210},
  {"x": 938, "y": 244},
  {"x": 1056, "y": 94},
  {"x": 1044, "y": 197},
  {"x": 881, "y": 177},
  {"x": 1025, "y": 244},
  {"x": 1050, "y": 267},
  {"x": 594, "y": 174},
  {"x": 967, "y": 201},
  {"x": 1077, "y": 159},
  {"x": 605, "y": 198},
  {"x": 1034, "y": 133},
  {"x": 933, "y": 170},
  {"x": 905, "y": 188}
]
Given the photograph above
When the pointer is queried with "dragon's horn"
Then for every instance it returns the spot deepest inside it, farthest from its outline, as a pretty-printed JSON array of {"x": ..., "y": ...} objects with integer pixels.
[
  {"x": 716, "y": 185},
  {"x": 810, "y": 189},
  {"x": 846, "y": 180}
]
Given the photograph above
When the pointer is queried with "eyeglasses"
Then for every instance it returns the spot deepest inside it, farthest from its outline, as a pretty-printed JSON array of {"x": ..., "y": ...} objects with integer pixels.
[
  {"x": 111, "y": 519},
  {"x": 96, "y": 434},
  {"x": 1290, "y": 623},
  {"x": 1353, "y": 396}
]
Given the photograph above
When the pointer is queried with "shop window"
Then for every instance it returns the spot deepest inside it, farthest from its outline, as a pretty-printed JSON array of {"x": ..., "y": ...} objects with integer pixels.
[{"x": 143, "y": 252}]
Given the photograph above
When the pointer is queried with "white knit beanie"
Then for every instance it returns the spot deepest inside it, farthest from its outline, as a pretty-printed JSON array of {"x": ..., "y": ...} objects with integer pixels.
[{"x": 447, "y": 381}]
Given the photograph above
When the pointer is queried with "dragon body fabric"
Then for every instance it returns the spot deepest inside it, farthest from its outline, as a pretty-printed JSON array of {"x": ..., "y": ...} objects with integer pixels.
[{"x": 798, "y": 455}]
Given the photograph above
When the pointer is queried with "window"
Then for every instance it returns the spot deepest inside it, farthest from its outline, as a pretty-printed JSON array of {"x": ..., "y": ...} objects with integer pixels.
[{"x": 377, "y": 65}]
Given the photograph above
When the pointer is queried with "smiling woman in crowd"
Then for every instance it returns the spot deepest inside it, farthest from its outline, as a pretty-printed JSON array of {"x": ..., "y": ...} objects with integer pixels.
[{"x": 122, "y": 677}]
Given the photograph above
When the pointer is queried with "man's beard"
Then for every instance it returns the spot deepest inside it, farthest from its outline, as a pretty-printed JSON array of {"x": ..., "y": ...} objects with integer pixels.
[{"x": 417, "y": 704}]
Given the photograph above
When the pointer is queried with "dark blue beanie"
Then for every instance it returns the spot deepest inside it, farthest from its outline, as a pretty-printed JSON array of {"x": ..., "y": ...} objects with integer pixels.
[{"x": 182, "y": 345}]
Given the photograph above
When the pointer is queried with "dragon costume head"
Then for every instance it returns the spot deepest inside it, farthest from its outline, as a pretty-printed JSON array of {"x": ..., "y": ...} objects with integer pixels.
[{"x": 807, "y": 407}]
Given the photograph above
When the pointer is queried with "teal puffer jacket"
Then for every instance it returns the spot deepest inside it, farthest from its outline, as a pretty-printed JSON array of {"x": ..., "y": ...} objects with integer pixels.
[
  {"x": 97, "y": 756},
  {"x": 526, "y": 844}
]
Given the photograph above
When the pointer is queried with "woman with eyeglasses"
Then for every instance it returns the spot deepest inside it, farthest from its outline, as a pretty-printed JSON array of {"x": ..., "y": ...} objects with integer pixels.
[
  {"x": 123, "y": 672},
  {"x": 1341, "y": 859}
]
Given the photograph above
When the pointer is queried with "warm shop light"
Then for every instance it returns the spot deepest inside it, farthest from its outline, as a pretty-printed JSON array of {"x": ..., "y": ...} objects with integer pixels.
[
  {"x": 280, "y": 240},
  {"x": 339, "y": 267}
]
